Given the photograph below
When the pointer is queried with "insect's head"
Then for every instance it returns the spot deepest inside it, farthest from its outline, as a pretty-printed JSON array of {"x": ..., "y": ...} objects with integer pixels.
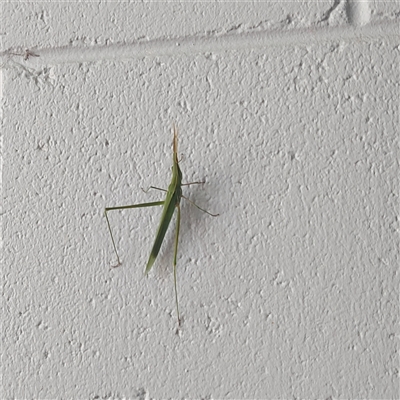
[{"x": 175, "y": 143}]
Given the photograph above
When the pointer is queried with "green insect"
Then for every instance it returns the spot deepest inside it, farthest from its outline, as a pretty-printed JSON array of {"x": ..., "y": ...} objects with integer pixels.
[{"x": 172, "y": 201}]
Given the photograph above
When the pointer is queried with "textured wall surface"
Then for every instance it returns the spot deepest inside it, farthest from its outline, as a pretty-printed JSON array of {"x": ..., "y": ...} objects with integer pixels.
[{"x": 289, "y": 111}]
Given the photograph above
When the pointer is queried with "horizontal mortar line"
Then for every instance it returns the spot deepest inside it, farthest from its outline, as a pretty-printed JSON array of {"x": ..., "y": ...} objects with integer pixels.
[{"x": 209, "y": 44}]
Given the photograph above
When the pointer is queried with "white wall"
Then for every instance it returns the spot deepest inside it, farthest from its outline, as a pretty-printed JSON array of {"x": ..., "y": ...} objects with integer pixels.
[{"x": 289, "y": 111}]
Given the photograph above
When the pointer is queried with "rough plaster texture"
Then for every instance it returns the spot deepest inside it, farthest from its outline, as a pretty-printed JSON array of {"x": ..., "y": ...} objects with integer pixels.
[{"x": 289, "y": 111}]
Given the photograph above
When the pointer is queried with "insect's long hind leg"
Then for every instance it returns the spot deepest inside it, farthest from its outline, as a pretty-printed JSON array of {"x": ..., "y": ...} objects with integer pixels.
[
  {"x": 112, "y": 238},
  {"x": 140, "y": 205}
]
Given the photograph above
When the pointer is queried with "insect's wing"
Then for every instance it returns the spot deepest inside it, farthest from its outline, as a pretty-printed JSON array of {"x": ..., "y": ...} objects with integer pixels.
[
  {"x": 173, "y": 198},
  {"x": 168, "y": 212}
]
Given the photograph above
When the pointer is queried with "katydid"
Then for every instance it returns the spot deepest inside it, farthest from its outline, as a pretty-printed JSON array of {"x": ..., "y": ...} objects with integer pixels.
[{"x": 172, "y": 201}]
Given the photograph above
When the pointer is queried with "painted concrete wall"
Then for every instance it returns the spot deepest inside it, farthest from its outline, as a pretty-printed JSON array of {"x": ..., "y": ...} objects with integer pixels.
[{"x": 289, "y": 112}]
